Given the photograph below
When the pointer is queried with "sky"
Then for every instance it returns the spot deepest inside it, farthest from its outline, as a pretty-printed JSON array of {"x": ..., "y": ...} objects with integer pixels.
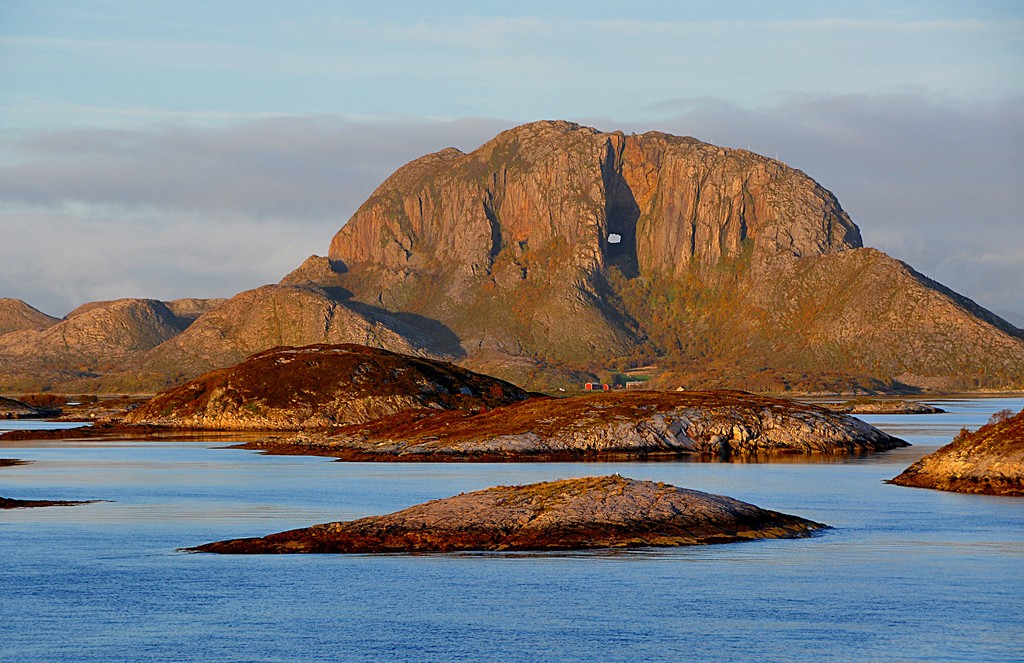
[{"x": 198, "y": 149}]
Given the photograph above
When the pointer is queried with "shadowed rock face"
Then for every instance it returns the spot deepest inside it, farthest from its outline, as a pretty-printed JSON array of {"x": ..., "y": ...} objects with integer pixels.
[
  {"x": 12, "y": 409},
  {"x": 990, "y": 461},
  {"x": 595, "y": 512},
  {"x": 644, "y": 424},
  {"x": 320, "y": 385}
]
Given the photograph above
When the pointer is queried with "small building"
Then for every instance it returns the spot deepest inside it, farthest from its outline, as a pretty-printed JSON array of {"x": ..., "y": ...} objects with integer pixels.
[{"x": 606, "y": 387}]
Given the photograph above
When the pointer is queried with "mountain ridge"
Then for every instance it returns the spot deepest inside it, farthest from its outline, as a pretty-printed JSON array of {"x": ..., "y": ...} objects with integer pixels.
[{"x": 555, "y": 253}]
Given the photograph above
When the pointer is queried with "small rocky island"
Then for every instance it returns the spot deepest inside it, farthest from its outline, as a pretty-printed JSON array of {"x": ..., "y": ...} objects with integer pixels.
[
  {"x": 9, "y": 503},
  {"x": 989, "y": 461},
  {"x": 614, "y": 425},
  {"x": 572, "y": 514},
  {"x": 883, "y": 407},
  {"x": 316, "y": 386}
]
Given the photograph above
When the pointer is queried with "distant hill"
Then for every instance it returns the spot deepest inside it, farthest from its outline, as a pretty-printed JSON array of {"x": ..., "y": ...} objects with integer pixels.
[
  {"x": 16, "y": 315},
  {"x": 91, "y": 341}
]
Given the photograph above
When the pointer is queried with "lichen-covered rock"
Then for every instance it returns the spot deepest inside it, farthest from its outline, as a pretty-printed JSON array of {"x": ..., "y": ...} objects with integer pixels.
[
  {"x": 318, "y": 386},
  {"x": 644, "y": 424},
  {"x": 990, "y": 461},
  {"x": 573, "y": 514}
]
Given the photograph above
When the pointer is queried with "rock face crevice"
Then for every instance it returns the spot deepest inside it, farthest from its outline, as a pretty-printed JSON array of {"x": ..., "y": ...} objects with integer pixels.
[{"x": 572, "y": 514}]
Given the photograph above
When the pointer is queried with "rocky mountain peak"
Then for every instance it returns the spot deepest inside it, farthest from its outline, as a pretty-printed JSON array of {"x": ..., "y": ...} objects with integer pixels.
[{"x": 580, "y": 198}]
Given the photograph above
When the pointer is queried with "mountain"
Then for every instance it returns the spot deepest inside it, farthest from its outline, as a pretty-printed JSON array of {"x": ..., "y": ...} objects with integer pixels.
[
  {"x": 555, "y": 253},
  {"x": 91, "y": 340},
  {"x": 580, "y": 249},
  {"x": 16, "y": 315}
]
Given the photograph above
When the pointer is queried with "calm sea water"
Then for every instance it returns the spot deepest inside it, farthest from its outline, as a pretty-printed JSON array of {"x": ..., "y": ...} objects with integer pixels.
[{"x": 904, "y": 575}]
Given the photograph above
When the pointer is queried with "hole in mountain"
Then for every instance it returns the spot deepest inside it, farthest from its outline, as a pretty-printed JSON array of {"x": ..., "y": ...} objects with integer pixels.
[{"x": 621, "y": 215}]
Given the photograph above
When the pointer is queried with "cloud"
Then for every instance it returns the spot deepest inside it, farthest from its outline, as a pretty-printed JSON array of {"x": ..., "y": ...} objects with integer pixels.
[
  {"x": 177, "y": 211},
  {"x": 308, "y": 167}
]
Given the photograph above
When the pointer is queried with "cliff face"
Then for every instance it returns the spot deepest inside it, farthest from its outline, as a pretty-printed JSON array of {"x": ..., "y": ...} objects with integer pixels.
[
  {"x": 318, "y": 386},
  {"x": 721, "y": 256},
  {"x": 560, "y": 188}
]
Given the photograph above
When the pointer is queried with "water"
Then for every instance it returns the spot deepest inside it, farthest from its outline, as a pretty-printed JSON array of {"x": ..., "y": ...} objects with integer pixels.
[{"x": 904, "y": 575}]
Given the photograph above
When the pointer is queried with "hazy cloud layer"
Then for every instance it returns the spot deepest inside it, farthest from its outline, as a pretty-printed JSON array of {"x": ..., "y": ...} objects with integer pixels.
[{"x": 176, "y": 211}]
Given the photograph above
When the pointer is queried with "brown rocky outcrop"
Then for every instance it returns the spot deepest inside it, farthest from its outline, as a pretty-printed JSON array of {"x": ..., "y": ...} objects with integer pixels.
[
  {"x": 572, "y": 514},
  {"x": 16, "y": 315},
  {"x": 640, "y": 424},
  {"x": 319, "y": 386},
  {"x": 254, "y": 321},
  {"x": 990, "y": 461}
]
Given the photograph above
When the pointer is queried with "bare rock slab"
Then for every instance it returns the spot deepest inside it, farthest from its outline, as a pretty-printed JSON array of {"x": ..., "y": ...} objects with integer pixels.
[{"x": 571, "y": 514}]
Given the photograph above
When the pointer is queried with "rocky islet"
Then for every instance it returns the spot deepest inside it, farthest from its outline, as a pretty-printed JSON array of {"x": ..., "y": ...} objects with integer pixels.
[
  {"x": 572, "y": 514},
  {"x": 640, "y": 424},
  {"x": 988, "y": 461}
]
